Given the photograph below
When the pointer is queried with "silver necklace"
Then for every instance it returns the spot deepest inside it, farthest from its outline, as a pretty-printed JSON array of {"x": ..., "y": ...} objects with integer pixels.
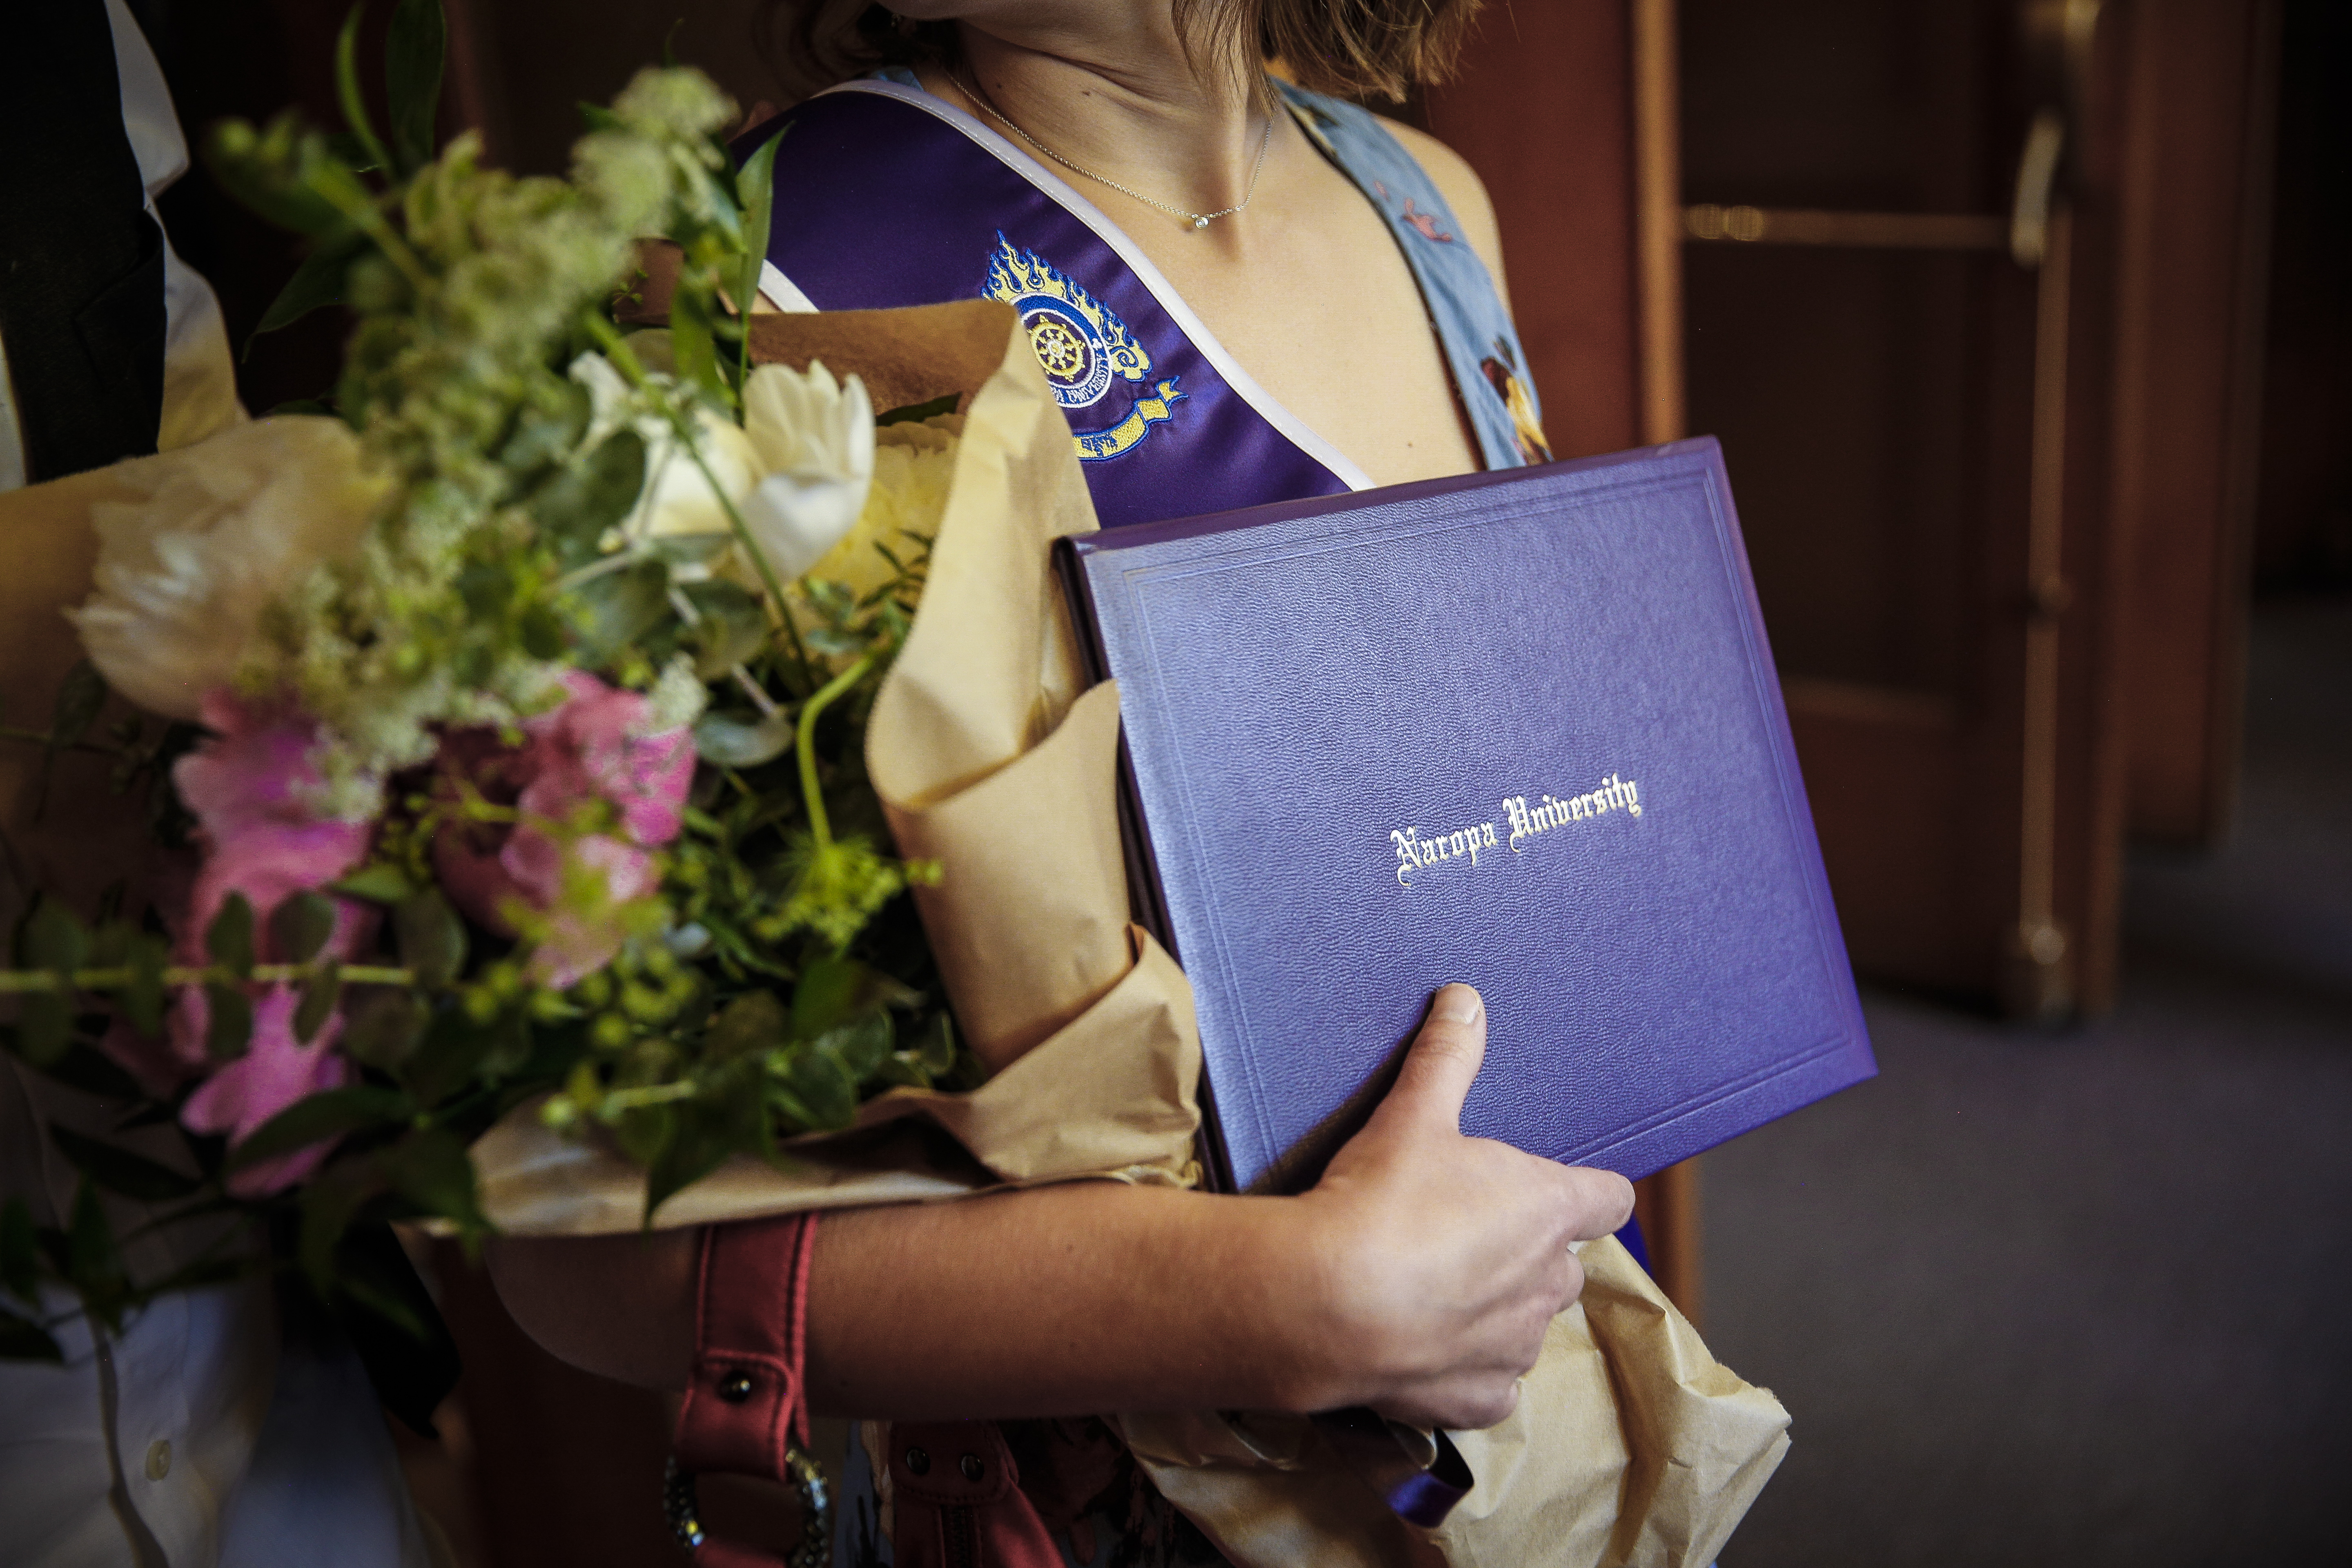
[{"x": 1198, "y": 220}]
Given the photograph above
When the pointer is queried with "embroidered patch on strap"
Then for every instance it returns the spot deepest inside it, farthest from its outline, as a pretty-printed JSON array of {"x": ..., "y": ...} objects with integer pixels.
[{"x": 1083, "y": 347}]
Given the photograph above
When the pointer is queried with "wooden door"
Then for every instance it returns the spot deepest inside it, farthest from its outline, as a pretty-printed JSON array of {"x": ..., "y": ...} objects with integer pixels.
[{"x": 1902, "y": 259}]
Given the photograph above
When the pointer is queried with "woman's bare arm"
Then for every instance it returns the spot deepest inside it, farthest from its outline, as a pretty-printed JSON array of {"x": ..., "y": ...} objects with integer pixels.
[{"x": 1417, "y": 1277}]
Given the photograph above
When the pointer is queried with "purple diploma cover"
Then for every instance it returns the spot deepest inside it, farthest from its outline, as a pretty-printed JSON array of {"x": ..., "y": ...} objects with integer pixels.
[{"x": 1521, "y": 729}]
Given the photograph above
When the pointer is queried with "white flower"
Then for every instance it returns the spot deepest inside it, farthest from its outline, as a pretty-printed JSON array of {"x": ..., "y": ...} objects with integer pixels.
[
  {"x": 677, "y": 498},
  {"x": 226, "y": 526},
  {"x": 914, "y": 466},
  {"x": 814, "y": 441}
]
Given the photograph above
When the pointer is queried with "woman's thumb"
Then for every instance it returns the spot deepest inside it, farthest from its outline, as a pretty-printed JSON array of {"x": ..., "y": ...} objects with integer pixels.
[{"x": 1444, "y": 1061}]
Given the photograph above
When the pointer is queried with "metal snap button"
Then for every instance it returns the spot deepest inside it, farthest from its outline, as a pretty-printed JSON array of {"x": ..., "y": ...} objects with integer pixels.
[
  {"x": 971, "y": 1467},
  {"x": 919, "y": 1461},
  {"x": 736, "y": 1387}
]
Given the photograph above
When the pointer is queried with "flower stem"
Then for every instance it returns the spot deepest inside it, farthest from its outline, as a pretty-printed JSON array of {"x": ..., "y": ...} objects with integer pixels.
[
  {"x": 624, "y": 360},
  {"x": 17, "y": 982},
  {"x": 820, "y": 827},
  {"x": 40, "y": 738}
]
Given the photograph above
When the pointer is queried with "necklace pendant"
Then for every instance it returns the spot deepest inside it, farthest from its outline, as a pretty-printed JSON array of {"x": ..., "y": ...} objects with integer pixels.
[{"x": 1199, "y": 223}]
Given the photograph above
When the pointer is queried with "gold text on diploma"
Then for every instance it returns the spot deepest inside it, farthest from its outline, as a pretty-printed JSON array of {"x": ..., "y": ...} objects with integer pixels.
[{"x": 1414, "y": 852}]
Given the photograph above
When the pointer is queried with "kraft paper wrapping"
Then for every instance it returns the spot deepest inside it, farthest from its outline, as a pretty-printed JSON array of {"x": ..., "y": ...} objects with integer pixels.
[
  {"x": 989, "y": 761},
  {"x": 1630, "y": 1447}
]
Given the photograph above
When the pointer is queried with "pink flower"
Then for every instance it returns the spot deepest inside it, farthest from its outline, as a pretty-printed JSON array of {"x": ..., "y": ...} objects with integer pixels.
[
  {"x": 593, "y": 748},
  {"x": 247, "y": 785},
  {"x": 276, "y": 1071}
]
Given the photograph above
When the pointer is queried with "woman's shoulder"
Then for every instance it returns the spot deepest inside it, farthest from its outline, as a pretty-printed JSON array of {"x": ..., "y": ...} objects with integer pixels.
[{"x": 1355, "y": 136}]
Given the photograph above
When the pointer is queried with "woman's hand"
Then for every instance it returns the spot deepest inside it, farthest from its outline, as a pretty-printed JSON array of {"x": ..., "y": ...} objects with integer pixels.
[{"x": 1445, "y": 1258}]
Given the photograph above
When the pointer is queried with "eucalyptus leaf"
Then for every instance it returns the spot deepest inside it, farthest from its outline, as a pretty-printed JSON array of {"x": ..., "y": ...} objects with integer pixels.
[
  {"x": 915, "y": 412},
  {"x": 576, "y": 505},
  {"x": 93, "y": 1072},
  {"x": 860, "y": 1046},
  {"x": 229, "y": 1030},
  {"x": 93, "y": 1263},
  {"x": 383, "y": 1030},
  {"x": 331, "y": 1202},
  {"x": 141, "y": 1001},
  {"x": 817, "y": 1078},
  {"x": 432, "y": 939},
  {"x": 119, "y": 1170},
  {"x": 732, "y": 627},
  {"x": 81, "y": 696},
  {"x": 544, "y": 434},
  {"x": 620, "y": 608},
  {"x": 755, "y": 1021},
  {"x": 316, "y": 284},
  {"x": 20, "y": 1253},
  {"x": 347, "y": 87},
  {"x": 755, "y": 187},
  {"x": 414, "y": 54},
  {"x": 300, "y": 926},
  {"x": 320, "y": 994},
  {"x": 736, "y": 743},
  {"x": 229, "y": 938},
  {"x": 21, "y": 1339},
  {"x": 382, "y": 883},
  {"x": 336, "y": 1113}
]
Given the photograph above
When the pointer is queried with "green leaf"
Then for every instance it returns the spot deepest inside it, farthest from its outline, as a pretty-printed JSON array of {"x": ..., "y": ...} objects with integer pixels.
[
  {"x": 755, "y": 187},
  {"x": 934, "y": 1054},
  {"x": 347, "y": 87},
  {"x": 320, "y": 992},
  {"x": 20, "y": 1254},
  {"x": 621, "y": 607},
  {"x": 21, "y": 1339},
  {"x": 141, "y": 1001},
  {"x": 579, "y": 502},
  {"x": 336, "y": 1113},
  {"x": 755, "y": 1021},
  {"x": 229, "y": 938},
  {"x": 432, "y": 1170},
  {"x": 316, "y": 284},
  {"x": 380, "y": 883},
  {"x": 545, "y": 434},
  {"x": 276, "y": 171},
  {"x": 331, "y": 1202},
  {"x": 915, "y": 412},
  {"x": 701, "y": 1145},
  {"x": 80, "y": 697},
  {"x": 94, "y": 1073},
  {"x": 53, "y": 940},
  {"x": 414, "y": 54},
  {"x": 383, "y": 1030},
  {"x": 230, "y": 1029},
  {"x": 120, "y": 1170},
  {"x": 299, "y": 926},
  {"x": 431, "y": 937},
  {"x": 456, "y": 1049},
  {"x": 93, "y": 1265},
  {"x": 733, "y": 744},
  {"x": 732, "y": 627},
  {"x": 694, "y": 343},
  {"x": 816, "y": 1078},
  {"x": 861, "y": 1047},
  {"x": 834, "y": 991}
]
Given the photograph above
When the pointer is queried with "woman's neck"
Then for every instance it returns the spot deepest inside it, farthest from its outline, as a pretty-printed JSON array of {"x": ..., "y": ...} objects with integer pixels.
[{"x": 1111, "y": 88}]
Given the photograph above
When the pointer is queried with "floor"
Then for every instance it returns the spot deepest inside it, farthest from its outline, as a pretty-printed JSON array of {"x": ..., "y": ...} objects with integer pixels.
[{"x": 2086, "y": 1297}]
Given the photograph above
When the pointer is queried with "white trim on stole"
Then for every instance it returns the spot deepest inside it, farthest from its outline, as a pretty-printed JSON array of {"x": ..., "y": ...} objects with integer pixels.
[{"x": 787, "y": 295}]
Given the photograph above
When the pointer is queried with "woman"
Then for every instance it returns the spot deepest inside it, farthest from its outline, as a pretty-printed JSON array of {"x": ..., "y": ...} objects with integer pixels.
[{"x": 1240, "y": 294}]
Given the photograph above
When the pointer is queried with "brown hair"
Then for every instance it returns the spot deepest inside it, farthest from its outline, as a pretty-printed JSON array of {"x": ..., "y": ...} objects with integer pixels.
[{"x": 1350, "y": 48}]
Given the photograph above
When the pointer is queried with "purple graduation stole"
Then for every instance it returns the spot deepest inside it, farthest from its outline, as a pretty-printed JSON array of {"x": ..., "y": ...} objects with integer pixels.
[{"x": 887, "y": 196}]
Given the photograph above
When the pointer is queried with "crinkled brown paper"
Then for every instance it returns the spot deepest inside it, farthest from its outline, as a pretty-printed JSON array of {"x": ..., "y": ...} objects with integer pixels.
[{"x": 1631, "y": 1444}]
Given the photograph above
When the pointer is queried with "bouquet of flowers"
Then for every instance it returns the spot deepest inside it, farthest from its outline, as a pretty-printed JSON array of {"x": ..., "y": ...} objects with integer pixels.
[{"x": 507, "y": 720}]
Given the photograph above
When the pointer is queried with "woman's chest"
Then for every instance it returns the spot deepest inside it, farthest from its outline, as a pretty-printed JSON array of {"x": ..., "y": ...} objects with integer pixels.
[{"x": 1316, "y": 302}]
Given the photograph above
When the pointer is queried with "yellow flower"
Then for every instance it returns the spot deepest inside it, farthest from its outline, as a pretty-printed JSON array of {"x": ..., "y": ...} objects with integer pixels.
[{"x": 914, "y": 466}]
